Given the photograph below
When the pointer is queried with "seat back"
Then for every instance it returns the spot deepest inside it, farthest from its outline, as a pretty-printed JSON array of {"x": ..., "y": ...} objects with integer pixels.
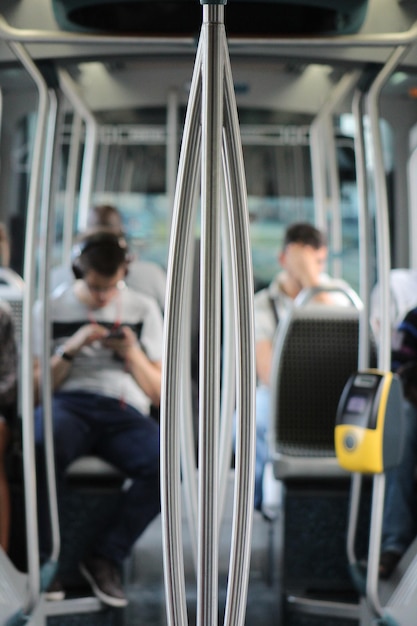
[
  {"x": 315, "y": 352},
  {"x": 11, "y": 291}
]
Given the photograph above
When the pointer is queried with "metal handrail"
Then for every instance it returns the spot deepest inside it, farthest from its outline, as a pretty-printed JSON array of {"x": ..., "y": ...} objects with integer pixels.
[
  {"x": 343, "y": 87},
  {"x": 245, "y": 358},
  {"x": 90, "y": 148},
  {"x": 364, "y": 289},
  {"x": 48, "y": 569},
  {"x": 70, "y": 190},
  {"x": 384, "y": 264},
  {"x": 33, "y": 587},
  {"x": 211, "y": 56},
  {"x": 174, "y": 312}
]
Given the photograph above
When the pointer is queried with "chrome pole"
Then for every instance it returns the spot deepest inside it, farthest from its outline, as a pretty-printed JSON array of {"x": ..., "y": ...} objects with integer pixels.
[
  {"x": 32, "y": 220},
  {"x": 384, "y": 265}
]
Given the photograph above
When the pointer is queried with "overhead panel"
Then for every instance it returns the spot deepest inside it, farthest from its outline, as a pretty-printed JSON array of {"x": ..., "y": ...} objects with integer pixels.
[{"x": 244, "y": 18}]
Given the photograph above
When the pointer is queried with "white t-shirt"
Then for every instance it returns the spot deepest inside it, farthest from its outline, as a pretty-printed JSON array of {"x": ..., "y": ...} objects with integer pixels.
[
  {"x": 264, "y": 301},
  {"x": 96, "y": 369}
]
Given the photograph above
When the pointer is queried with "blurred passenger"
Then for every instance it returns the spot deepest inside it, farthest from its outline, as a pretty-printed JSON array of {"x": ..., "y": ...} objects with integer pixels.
[
  {"x": 143, "y": 276},
  {"x": 303, "y": 260},
  {"x": 400, "y": 510},
  {"x": 4, "y": 247},
  {"x": 106, "y": 372},
  {"x": 402, "y": 298},
  {"x": 8, "y": 387}
]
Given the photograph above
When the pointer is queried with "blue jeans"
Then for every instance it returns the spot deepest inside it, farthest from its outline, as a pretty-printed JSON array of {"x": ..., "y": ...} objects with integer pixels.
[
  {"x": 262, "y": 402},
  {"x": 85, "y": 423},
  {"x": 400, "y": 513}
]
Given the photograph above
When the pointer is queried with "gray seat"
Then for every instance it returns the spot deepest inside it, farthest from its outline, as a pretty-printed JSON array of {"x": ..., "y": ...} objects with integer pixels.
[
  {"x": 93, "y": 468},
  {"x": 316, "y": 351}
]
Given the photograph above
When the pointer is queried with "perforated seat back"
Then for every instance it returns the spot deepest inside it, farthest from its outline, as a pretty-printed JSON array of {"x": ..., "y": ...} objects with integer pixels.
[
  {"x": 318, "y": 353},
  {"x": 11, "y": 291}
]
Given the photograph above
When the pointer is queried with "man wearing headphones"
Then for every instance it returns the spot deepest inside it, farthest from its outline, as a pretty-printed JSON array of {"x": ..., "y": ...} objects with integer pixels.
[{"x": 106, "y": 373}]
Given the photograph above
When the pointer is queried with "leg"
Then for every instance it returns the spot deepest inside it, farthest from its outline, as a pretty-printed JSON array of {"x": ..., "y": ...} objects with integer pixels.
[
  {"x": 72, "y": 438},
  {"x": 262, "y": 428},
  {"x": 262, "y": 424},
  {"x": 130, "y": 442},
  {"x": 133, "y": 447},
  {"x": 399, "y": 522}
]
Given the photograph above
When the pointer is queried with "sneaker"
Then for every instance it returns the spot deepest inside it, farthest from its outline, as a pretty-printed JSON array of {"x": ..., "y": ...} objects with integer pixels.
[
  {"x": 104, "y": 578},
  {"x": 388, "y": 562},
  {"x": 55, "y": 591}
]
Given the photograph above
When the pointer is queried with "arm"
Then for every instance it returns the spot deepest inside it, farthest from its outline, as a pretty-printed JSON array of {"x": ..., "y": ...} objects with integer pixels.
[
  {"x": 61, "y": 367},
  {"x": 4, "y": 247},
  {"x": 263, "y": 352},
  {"x": 145, "y": 372}
]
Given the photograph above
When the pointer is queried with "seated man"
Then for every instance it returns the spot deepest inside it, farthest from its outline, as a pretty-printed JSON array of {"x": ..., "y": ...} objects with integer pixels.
[
  {"x": 399, "y": 526},
  {"x": 303, "y": 258},
  {"x": 106, "y": 372},
  {"x": 143, "y": 276}
]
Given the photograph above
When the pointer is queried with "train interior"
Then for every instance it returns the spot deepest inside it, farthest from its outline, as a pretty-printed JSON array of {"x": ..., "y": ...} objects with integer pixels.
[{"x": 94, "y": 100}]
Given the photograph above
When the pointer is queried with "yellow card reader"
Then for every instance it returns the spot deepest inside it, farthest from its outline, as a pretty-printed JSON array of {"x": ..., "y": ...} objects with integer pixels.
[{"x": 369, "y": 422}]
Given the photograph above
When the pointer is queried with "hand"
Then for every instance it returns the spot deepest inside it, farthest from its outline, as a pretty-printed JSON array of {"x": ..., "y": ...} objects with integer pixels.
[
  {"x": 304, "y": 264},
  {"x": 85, "y": 336},
  {"x": 120, "y": 344}
]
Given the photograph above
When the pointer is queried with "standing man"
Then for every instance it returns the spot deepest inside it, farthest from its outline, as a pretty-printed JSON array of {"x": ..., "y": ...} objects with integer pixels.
[
  {"x": 303, "y": 260},
  {"x": 106, "y": 372}
]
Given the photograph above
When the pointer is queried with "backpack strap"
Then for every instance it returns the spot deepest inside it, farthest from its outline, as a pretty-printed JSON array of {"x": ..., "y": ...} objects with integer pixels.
[{"x": 274, "y": 309}]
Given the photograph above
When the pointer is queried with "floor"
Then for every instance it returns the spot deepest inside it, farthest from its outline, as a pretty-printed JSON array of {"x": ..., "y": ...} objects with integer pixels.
[{"x": 145, "y": 586}]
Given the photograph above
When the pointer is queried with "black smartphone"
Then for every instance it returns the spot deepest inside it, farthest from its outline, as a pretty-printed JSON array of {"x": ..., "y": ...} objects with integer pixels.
[{"x": 116, "y": 333}]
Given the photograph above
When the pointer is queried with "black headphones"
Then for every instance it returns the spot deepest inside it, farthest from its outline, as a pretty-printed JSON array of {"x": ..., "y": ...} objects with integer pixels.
[{"x": 96, "y": 240}]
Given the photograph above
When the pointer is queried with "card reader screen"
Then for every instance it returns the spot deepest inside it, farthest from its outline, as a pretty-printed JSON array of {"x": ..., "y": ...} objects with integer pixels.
[{"x": 356, "y": 404}]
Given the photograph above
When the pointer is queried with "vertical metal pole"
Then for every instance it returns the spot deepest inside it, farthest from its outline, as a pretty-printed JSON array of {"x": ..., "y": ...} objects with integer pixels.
[
  {"x": 174, "y": 311},
  {"x": 239, "y": 565},
  {"x": 69, "y": 88},
  {"x": 412, "y": 208},
  {"x": 210, "y": 319},
  {"x": 384, "y": 264},
  {"x": 364, "y": 219},
  {"x": 318, "y": 171},
  {"x": 32, "y": 220},
  {"x": 364, "y": 339},
  {"x": 70, "y": 191},
  {"x": 172, "y": 146},
  {"x": 323, "y": 162},
  {"x": 46, "y": 237}
]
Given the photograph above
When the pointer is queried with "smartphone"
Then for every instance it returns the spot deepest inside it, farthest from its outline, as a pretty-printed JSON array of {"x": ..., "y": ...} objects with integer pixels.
[{"x": 116, "y": 333}]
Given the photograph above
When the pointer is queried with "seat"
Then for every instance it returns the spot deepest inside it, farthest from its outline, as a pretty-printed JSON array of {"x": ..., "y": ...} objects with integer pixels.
[
  {"x": 93, "y": 471},
  {"x": 315, "y": 352}
]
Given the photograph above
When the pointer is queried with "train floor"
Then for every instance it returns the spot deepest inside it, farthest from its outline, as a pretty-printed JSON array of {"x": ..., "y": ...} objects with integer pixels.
[
  {"x": 310, "y": 552},
  {"x": 145, "y": 585}
]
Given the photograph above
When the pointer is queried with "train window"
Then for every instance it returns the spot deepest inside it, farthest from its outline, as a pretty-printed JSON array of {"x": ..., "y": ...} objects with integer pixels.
[{"x": 131, "y": 172}]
